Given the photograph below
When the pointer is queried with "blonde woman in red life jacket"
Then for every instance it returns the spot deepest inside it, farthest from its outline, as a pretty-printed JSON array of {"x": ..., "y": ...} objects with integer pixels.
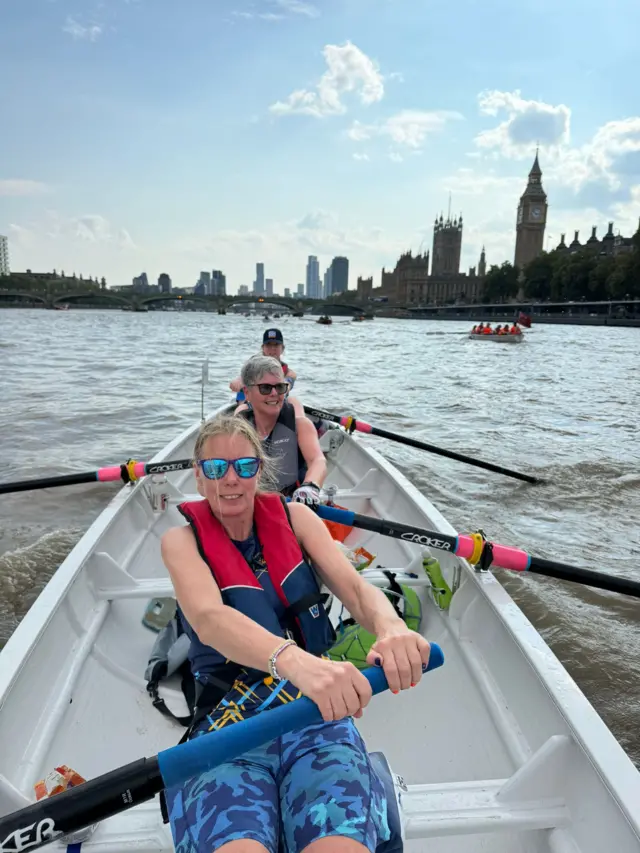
[{"x": 245, "y": 570}]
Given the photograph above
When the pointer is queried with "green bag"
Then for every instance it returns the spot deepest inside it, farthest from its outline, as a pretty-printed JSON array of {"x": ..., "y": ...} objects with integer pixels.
[{"x": 353, "y": 642}]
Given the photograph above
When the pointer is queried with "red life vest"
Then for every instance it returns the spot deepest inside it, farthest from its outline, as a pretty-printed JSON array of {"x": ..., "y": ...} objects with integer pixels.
[{"x": 291, "y": 576}]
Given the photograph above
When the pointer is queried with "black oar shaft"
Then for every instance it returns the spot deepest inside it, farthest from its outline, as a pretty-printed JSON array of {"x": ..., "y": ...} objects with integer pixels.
[
  {"x": 109, "y": 474},
  {"x": 77, "y": 808},
  {"x": 420, "y": 445},
  {"x": 47, "y": 482},
  {"x": 443, "y": 542},
  {"x": 588, "y": 577},
  {"x": 451, "y": 454}
]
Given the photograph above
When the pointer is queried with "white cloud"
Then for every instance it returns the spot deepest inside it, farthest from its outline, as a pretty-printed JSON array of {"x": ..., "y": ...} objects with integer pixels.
[
  {"x": 17, "y": 187},
  {"x": 468, "y": 182},
  {"x": 317, "y": 233},
  {"x": 264, "y": 16},
  {"x": 349, "y": 70},
  {"x": 91, "y": 228},
  {"x": 297, "y": 7},
  {"x": 528, "y": 123},
  {"x": 79, "y": 31},
  {"x": 408, "y": 128},
  {"x": 361, "y": 156},
  {"x": 595, "y": 175}
]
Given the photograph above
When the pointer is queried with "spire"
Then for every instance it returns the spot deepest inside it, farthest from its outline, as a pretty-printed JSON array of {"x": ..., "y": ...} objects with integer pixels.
[{"x": 536, "y": 171}]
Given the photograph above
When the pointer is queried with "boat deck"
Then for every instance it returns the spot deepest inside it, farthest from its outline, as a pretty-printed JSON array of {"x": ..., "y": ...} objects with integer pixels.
[{"x": 499, "y": 750}]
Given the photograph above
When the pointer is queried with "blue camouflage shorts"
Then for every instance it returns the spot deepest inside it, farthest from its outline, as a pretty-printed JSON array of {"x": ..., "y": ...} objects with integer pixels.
[{"x": 308, "y": 784}]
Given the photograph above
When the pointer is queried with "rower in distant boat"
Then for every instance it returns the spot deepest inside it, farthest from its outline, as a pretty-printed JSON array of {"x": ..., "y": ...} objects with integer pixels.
[
  {"x": 285, "y": 430},
  {"x": 272, "y": 345}
]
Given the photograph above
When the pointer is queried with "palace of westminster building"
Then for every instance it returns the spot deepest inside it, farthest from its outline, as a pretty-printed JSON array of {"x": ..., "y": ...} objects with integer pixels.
[{"x": 434, "y": 278}]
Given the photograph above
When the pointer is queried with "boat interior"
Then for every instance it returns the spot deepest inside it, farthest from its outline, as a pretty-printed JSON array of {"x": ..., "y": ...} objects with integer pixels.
[{"x": 487, "y": 753}]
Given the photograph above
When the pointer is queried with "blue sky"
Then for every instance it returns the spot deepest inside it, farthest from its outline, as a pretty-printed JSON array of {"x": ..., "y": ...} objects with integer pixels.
[{"x": 172, "y": 136}]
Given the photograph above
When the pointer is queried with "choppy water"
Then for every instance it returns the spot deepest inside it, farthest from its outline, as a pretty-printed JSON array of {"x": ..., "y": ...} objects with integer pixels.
[{"x": 82, "y": 389}]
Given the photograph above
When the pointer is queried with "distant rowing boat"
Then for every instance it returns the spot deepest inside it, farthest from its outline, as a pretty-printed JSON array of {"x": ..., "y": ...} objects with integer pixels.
[{"x": 500, "y": 339}]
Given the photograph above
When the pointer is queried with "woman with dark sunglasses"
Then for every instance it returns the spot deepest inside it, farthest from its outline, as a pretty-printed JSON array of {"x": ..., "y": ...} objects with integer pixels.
[
  {"x": 288, "y": 435},
  {"x": 250, "y": 602}
]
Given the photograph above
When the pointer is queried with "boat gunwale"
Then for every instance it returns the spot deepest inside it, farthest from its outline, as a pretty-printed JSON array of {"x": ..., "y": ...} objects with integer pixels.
[
  {"x": 609, "y": 759},
  {"x": 15, "y": 654}
]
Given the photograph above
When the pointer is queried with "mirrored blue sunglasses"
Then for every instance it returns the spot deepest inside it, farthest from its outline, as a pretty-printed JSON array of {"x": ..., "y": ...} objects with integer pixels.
[{"x": 246, "y": 467}]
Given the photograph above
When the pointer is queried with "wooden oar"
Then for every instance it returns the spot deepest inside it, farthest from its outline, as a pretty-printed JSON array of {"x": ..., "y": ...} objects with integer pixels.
[
  {"x": 351, "y": 423},
  {"x": 128, "y": 473},
  {"x": 475, "y": 550},
  {"x": 126, "y": 787}
]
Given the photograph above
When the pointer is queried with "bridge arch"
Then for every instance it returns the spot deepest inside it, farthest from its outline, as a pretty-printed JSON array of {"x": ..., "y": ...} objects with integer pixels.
[
  {"x": 7, "y": 295},
  {"x": 321, "y": 308},
  {"x": 93, "y": 294},
  {"x": 265, "y": 302}
]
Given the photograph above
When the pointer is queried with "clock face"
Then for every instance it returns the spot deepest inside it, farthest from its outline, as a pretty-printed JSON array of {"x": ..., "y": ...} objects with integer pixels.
[{"x": 536, "y": 213}]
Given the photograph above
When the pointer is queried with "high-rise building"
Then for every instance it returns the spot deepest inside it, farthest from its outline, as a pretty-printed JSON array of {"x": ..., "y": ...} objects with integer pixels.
[
  {"x": 287, "y": 293},
  {"x": 339, "y": 275},
  {"x": 532, "y": 218},
  {"x": 258, "y": 285},
  {"x": 313, "y": 278},
  {"x": 300, "y": 290},
  {"x": 141, "y": 283},
  {"x": 218, "y": 283},
  {"x": 4, "y": 256},
  {"x": 203, "y": 287},
  {"x": 243, "y": 290},
  {"x": 326, "y": 287},
  {"x": 447, "y": 246},
  {"x": 269, "y": 286},
  {"x": 164, "y": 283}
]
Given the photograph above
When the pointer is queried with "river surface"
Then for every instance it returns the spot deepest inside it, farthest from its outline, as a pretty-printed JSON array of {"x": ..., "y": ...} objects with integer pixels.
[{"x": 82, "y": 389}]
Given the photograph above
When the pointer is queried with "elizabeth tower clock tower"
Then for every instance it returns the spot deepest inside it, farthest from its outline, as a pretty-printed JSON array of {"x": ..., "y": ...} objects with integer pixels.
[{"x": 532, "y": 218}]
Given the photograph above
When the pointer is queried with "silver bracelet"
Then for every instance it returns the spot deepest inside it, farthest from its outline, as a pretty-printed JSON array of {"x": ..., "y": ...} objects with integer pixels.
[{"x": 273, "y": 672}]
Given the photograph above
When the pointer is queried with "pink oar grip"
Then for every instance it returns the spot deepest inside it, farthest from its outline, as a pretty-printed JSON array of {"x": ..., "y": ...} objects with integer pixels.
[
  {"x": 503, "y": 556},
  {"x": 361, "y": 426},
  {"x": 106, "y": 475}
]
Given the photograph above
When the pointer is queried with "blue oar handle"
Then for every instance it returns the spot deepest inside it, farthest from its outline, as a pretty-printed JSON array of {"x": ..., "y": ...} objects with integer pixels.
[{"x": 194, "y": 757}]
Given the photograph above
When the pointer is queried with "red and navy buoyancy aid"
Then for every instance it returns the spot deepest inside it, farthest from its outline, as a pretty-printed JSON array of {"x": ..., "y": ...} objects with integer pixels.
[{"x": 290, "y": 574}]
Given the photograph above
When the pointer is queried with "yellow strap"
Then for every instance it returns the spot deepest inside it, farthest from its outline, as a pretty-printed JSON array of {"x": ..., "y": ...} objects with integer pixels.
[
  {"x": 478, "y": 544},
  {"x": 349, "y": 422},
  {"x": 131, "y": 464}
]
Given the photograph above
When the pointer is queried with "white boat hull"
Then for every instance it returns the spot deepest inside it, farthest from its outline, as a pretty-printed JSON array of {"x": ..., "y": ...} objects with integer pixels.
[
  {"x": 498, "y": 339},
  {"x": 499, "y": 749}
]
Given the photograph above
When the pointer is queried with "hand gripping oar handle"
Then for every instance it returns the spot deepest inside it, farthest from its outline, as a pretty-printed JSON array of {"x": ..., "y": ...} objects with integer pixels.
[
  {"x": 121, "y": 789},
  {"x": 350, "y": 423},
  {"x": 502, "y": 556}
]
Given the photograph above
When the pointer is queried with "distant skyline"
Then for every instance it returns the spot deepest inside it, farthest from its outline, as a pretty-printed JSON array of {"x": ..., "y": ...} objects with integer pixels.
[{"x": 165, "y": 137}]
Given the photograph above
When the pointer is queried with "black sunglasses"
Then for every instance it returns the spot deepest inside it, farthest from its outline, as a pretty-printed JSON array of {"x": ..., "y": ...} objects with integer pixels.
[{"x": 265, "y": 388}]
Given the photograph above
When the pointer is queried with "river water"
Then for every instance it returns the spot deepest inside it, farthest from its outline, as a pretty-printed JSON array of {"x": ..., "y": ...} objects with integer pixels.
[{"x": 82, "y": 389}]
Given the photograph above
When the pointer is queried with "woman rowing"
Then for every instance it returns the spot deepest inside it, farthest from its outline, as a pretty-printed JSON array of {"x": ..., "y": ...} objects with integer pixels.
[
  {"x": 289, "y": 436},
  {"x": 250, "y": 603},
  {"x": 272, "y": 345}
]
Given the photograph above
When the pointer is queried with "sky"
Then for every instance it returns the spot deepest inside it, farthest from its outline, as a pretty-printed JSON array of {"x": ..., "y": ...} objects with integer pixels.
[{"x": 186, "y": 135}]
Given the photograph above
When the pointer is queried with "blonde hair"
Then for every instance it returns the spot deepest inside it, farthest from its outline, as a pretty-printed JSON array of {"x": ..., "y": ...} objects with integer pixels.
[{"x": 232, "y": 426}]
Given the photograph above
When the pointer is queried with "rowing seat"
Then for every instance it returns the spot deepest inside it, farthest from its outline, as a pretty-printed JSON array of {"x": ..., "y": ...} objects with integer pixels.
[{"x": 392, "y": 788}]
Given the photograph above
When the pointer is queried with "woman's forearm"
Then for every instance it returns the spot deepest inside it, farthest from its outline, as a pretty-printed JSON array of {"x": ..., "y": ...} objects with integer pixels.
[
  {"x": 372, "y": 609},
  {"x": 317, "y": 471}
]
